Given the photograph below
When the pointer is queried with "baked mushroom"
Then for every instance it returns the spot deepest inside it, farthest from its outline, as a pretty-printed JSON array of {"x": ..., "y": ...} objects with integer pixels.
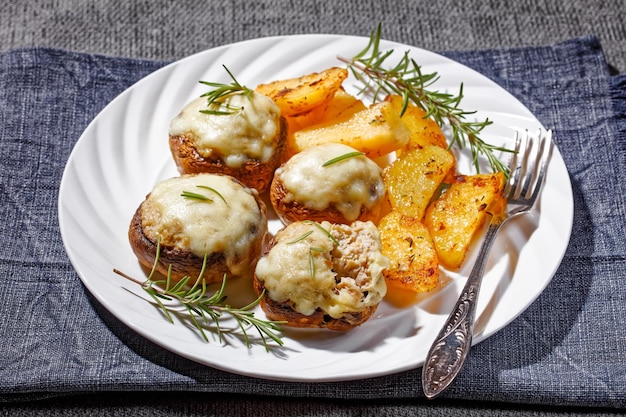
[
  {"x": 246, "y": 141},
  {"x": 322, "y": 275},
  {"x": 331, "y": 182},
  {"x": 196, "y": 216}
]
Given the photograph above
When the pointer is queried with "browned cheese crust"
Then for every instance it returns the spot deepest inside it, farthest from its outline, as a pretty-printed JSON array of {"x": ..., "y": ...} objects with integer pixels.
[{"x": 253, "y": 174}]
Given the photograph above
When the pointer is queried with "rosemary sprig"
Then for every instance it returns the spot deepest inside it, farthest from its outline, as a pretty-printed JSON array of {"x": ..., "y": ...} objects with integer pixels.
[
  {"x": 342, "y": 157},
  {"x": 202, "y": 308},
  {"x": 406, "y": 79},
  {"x": 220, "y": 92}
]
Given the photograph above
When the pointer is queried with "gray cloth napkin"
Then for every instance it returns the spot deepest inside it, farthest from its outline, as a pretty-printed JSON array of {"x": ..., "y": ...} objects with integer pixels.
[{"x": 569, "y": 347}]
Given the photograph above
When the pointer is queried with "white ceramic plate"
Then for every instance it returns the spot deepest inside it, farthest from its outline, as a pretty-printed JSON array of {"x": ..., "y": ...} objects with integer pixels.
[{"x": 124, "y": 152}]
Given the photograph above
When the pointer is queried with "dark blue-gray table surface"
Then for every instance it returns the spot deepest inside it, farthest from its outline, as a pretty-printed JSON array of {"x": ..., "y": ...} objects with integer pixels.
[{"x": 568, "y": 348}]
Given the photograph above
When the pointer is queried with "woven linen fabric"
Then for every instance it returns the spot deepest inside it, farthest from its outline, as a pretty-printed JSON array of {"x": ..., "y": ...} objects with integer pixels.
[
  {"x": 568, "y": 348},
  {"x": 172, "y": 30}
]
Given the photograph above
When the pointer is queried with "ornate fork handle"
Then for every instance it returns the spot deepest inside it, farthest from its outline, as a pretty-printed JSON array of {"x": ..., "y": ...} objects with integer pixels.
[{"x": 448, "y": 352}]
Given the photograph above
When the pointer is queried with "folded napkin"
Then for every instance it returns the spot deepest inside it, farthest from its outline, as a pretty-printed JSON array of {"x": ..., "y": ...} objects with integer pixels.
[{"x": 569, "y": 347}]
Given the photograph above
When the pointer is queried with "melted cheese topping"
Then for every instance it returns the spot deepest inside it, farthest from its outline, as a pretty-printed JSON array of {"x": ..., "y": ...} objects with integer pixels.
[
  {"x": 347, "y": 185},
  {"x": 308, "y": 270},
  {"x": 250, "y": 133},
  {"x": 232, "y": 226}
]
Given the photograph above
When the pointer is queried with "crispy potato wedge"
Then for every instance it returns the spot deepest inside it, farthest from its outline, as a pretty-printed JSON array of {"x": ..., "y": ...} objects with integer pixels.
[
  {"x": 340, "y": 108},
  {"x": 424, "y": 130},
  {"x": 300, "y": 95},
  {"x": 414, "y": 177},
  {"x": 375, "y": 131},
  {"x": 413, "y": 262},
  {"x": 454, "y": 219}
]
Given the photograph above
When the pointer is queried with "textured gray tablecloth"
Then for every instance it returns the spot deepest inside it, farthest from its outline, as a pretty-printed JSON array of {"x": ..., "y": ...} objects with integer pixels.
[{"x": 568, "y": 348}]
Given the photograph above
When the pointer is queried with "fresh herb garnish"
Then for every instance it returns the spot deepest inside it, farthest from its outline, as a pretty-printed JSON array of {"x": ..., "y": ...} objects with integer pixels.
[
  {"x": 319, "y": 226},
  {"x": 312, "y": 248},
  {"x": 342, "y": 157},
  {"x": 198, "y": 196},
  {"x": 312, "y": 259},
  {"x": 220, "y": 92},
  {"x": 300, "y": 238},
  {"x": 203, "y": 309},
  {"x": 195, "y": 196},
  {"x": 407, "y": 80}
]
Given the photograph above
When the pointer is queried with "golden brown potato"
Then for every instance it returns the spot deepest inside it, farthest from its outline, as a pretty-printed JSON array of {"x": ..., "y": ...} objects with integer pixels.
[
  {"x": 375, "y": 131},
  {"x": 424, "y": 130},
  {"x": 460, "y": 212},
  {"x": 413, "y": 178},
  {"x": 300, "y": 95},
  {"x": 340, "y": 108},
  {"x": 413, "y": 263}
]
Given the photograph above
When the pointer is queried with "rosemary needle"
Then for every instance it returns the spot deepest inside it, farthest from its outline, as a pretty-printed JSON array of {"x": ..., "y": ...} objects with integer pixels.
[
  {"x": 342, "y": 157},
  {"x": 213, "y": 190},
  {"x": 300, "y": 238},
  {"x": 198, "y": 196},
  {"x": 326, "y": 232},
  {"x": 195, "y": 196}
]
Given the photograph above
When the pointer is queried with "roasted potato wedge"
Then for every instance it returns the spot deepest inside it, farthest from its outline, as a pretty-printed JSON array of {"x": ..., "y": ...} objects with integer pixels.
[
  {"x": 375, "y": 131},
  {"x": 454, "y": 219},
  {"x": 340, "y": 108},
  {"x": 300, "y": 95},
  {"x": 414, "y": 177},
  {"x": 424, "y": 130},
  {"x": 413, "y": 262}
]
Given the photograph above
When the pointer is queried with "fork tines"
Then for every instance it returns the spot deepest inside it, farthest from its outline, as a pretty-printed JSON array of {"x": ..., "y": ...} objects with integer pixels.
[{"x": 528, "y": 165}]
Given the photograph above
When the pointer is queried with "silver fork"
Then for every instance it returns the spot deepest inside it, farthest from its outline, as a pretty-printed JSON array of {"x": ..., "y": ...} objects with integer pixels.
[{"x": 449, "y": 350}]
